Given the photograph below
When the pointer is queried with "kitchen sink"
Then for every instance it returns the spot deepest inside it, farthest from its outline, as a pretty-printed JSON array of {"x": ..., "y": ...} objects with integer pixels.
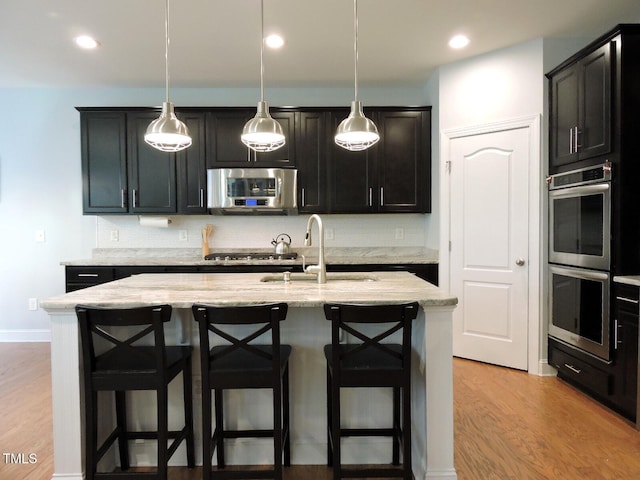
[{"x": 331, "y": 277}]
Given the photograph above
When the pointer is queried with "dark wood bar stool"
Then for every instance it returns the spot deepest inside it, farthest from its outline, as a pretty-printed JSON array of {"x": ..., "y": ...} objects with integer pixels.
[
  {"x": 132, "y": 356},
  {"x": 370, "y": 363},
  {"x": 243, "y": 362}
]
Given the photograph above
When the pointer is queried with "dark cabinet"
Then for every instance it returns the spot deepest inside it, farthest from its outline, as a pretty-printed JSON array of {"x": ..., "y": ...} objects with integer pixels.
[
  {"x": 152, "y": 173},
  {"x": 625, "y": 344},
  {"x": 580, "y": 108},
  {"x": 122, "y": 174},
  {"x": 191, "y": 167},
  {"x": 104, "y": 162},
  {"x": 311, "y": 137},
  {"x": 393, "y": 176},
  {"x": 226, "y": 150}
]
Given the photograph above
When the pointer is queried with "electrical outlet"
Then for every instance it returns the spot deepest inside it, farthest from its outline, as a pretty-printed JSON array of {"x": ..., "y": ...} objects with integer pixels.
[
  {"x": 40, "y": 238},
  {"x": 33, "y": 304},
  {"x": 399, "y": 233},
  {"x": 114, "y": 236},
  {"x": 183, "y": 235},
  {"x": 328, "y": 233}
]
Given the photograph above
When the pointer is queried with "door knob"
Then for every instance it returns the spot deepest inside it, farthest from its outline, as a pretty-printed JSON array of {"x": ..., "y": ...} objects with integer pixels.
[{"x": 520, "y": 262}]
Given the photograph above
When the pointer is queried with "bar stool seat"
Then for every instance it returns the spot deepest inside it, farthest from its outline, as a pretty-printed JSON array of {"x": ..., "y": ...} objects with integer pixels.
[
  {"x": 366, "y": 361},
  {"x": 244, "y": 361},
  {"x": 127, "y": 362}
]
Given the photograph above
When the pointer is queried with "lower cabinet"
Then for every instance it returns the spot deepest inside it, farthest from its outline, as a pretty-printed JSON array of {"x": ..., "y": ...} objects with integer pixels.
[
  {"x": 78, "y": 277},
  {"x": 625, "y": 345},
  {"x": 614, "y": 384}
]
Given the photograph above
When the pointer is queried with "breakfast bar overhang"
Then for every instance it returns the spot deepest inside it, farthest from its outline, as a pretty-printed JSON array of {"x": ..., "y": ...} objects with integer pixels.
[{"x": 305, "y": 328}]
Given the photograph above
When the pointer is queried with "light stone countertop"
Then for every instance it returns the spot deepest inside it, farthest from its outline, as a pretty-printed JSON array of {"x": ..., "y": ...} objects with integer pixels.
[
  {"x": 183, "y": 290},
  {"x": 193, "y": 256},
  {"x": 628, "y": 279}
]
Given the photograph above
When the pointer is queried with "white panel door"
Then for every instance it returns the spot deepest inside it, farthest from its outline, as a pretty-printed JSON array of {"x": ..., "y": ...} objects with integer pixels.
[{"x": 489, "y": 233}]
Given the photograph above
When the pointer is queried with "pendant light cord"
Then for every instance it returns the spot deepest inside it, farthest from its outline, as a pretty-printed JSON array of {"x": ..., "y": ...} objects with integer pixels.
[
  {"x": 262, "y": 50},
  {"x": 355, "y": 45},
  {"x": 166, "y": 49}
]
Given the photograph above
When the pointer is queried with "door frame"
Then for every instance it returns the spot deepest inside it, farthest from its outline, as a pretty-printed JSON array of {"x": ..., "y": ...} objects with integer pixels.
[{"x": 537, "y": 362}]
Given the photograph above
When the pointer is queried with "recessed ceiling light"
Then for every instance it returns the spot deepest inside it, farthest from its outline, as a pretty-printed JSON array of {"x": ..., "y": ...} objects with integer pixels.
[
  {"x": 86, "y": 42},
  {"x": 274, "y": 41},
  {"x": 459, "y": 41}
]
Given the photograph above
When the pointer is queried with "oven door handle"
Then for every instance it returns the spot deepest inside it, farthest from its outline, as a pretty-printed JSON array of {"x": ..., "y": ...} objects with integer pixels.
[{"x": 580, "y": 190}]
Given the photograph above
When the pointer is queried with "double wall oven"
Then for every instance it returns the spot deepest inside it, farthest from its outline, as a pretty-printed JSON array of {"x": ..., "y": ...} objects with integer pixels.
[{"x": 580, "y": 258}]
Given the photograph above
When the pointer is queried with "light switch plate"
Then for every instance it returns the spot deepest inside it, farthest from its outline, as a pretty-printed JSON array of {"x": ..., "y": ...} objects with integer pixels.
[{"x": 40, "y": 237}]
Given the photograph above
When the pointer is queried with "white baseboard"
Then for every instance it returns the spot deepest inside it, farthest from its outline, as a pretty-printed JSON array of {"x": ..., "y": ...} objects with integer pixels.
[{"x": 17, "y": 336}]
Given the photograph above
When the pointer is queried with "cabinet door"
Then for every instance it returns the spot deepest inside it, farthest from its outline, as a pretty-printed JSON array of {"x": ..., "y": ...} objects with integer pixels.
[
  {"x": 284, "y": 156},
  {"x": 625, "y": 343},
  {"x": 152, "y": 173},
  {"x": 403, "y": 153},
  {"x": 311, "y": 147},
  {"x": 594, "y": 136},
  {"x": 564, "y": 117},
  {"x": 192, "y": 171},
  {"x": 351, "y": 174},
  {"x": 224, "y": 147},
  {"x": 104, "y": 162}
]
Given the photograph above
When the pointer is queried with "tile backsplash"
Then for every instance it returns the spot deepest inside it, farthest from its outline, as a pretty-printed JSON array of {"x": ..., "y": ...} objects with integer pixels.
[{"x": 405, "y": 230}]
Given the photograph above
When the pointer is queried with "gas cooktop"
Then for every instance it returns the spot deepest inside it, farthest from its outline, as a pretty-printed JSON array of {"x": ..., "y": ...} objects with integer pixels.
[{"x": 226, "y": 256}]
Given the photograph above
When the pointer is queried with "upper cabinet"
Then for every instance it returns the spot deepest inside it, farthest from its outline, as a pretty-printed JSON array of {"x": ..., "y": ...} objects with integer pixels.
[
  {"x": 392, "y": 176},
  {"x": 581, "y": 99},
  {"x": 124, "y": 175},
  {"x": 226, "y": 150}
]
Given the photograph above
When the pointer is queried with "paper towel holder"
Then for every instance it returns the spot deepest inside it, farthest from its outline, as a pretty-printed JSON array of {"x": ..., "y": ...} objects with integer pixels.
[{"x": 154, "y": 221}]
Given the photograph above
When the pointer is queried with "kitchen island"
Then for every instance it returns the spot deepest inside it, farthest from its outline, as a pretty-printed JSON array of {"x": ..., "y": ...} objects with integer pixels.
[{"x": 305, "y": 328}]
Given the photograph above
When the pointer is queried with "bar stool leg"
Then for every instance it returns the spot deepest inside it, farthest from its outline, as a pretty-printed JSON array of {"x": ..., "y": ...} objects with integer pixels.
[
  {"x": 206, "y": 431},
  {"x": 188, "y": 414},
  {"x": 121, "y": 422},
  {"x": 406, "y": 432},
  {"x": 396, "y": 426},
  {"x": 91, "y": 407},
  {"x": 277, "y": 431},
  {"x": 163, "y": 427},
  {"x": 286, "y": 415},
  {"x": 335, "y": 431},
  {"x": 219, "y": 426},
  {"x": 329, "y": 420}
]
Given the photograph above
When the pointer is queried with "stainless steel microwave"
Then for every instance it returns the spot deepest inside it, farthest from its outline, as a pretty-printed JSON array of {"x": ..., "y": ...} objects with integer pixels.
[{"x": 252, "y": 191}]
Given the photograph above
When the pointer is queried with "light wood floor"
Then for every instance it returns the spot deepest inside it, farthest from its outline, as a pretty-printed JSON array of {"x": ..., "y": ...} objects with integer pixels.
[{"x": 508, "y": 426}]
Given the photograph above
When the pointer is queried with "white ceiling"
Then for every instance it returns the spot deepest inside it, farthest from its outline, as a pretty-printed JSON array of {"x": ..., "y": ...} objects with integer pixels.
[{"x": 216, "y": 43}]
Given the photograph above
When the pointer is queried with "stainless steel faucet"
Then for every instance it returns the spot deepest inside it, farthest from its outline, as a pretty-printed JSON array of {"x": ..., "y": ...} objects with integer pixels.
[{"x": 320, "y": 269}]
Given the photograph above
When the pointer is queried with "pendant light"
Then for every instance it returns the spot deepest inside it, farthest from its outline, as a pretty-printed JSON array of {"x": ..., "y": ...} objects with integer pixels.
[
  {"x": 262, "y": 133},
  {"x": 167, "y": 133},
  {"x": 356, "y": 132}
]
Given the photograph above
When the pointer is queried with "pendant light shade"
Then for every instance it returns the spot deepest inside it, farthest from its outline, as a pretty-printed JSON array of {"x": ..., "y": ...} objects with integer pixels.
[
  {"x": 167, "y": 133},
  {"x": 356, "y": 132},
  {"x": 262, "y": 133}
]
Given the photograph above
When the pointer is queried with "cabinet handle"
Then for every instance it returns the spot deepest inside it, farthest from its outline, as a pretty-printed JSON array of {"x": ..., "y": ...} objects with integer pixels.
[
  {"x": 122, "y": 198},
  {"x": 303, "y": 199},
  {"x": 571, "y": 140},
  {"x": 572, "y": 368},
  {"x": 575, "y": 139},
  {"x": 87, "y": 275},
  {"x": 201, "y": 197},
  {"x": 628, "y": 300},
  {"x": 135, "y": 198},
  {"x": 615, "y": 334},
  {"x": 370, "y": 196},
  {"x": 381, "y": 196}
]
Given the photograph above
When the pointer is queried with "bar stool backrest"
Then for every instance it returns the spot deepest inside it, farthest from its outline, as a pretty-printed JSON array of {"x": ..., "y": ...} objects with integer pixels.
[{"x": 125, "y": 339}]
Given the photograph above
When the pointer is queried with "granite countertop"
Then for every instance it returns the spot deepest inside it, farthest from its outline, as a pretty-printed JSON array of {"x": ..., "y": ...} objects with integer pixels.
[
  {"x": 181, "y": 290},
  {"x": 628, "y": 279},
  {"x": 193, "y": 256}
]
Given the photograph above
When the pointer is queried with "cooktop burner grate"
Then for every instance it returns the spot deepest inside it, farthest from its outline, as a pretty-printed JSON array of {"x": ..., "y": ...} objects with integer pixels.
[{"x": 226, "y": 256}]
